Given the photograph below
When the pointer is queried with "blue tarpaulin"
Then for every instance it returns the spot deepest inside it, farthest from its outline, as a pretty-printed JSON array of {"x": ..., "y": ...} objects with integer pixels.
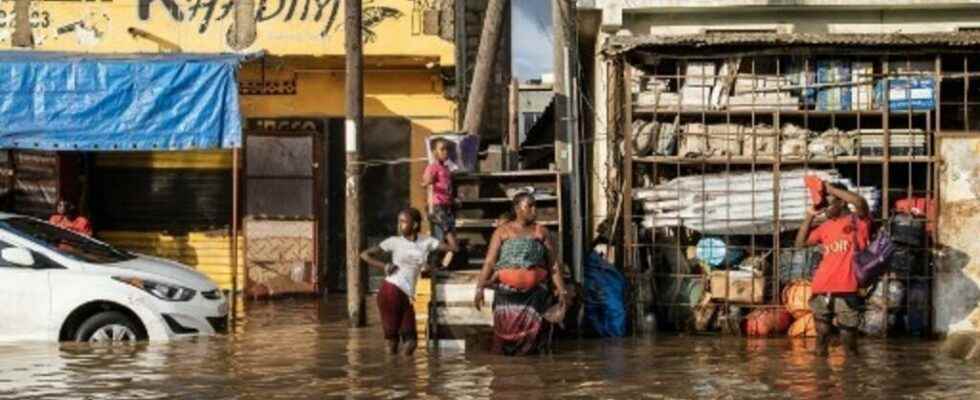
[{"x": 60, "y": 101}]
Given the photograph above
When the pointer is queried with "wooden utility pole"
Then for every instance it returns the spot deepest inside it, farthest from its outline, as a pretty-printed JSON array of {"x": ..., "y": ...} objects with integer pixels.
[
  {"x": 485, "y": 57},
  {"x": 235, "y": 196},
  {"x": 513, "y": 125},
  {"x": 568, "y": 157},
  {"x": 353, "y": 127}
]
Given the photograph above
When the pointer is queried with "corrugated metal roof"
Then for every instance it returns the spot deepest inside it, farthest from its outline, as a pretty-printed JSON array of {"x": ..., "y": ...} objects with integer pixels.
[{"x": 624, "y": 44}]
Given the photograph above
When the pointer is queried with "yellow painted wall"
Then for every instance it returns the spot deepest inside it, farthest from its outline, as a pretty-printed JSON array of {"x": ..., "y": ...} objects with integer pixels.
[
  {"x": 214, "y": 159},
  {"x": 423, "y": 295},
  {"x": 414, "y": 94},
  {"x": 284, "y": 27},
  {"x": 208, "y": 253}
]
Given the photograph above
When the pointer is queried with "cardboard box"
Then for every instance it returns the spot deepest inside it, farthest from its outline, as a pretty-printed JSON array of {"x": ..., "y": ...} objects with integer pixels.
[
  {"x": 917, "y": 93},
  {"x": 833, "y": 98},
  {"x": 862, "y": 96},
  {"x": 746, "y": 84},
  {"x": 700, "y": 73},
  {"x": 696, "y": 96},
  {"x": 659, "y": 99},
  {"x": 742, "y": 287},
  {"x": 764, "y": 101}
]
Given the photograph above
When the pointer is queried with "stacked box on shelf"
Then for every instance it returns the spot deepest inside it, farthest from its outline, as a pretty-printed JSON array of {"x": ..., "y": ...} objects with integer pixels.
[
  {"x": 654, "y": 92},
  {"x": 862, "y": 94},
  {"x": 902, "y": 142},
  {"x": 833, "y": 98},
  {"x": 715, "y": 140},
  {"x": 764, "y": 101},
  {"x": 762, "y": 92},
  {"x": 917, "y": 93},
  {"x": 699, "y": 79},
  {"x": 748, "y": 84},
  {"x": 800, "y": 76}
]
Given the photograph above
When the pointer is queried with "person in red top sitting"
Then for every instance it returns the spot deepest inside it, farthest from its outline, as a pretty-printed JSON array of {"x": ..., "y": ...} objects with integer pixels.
[
  {"x": 834, "y": 284},
  {"x": 66, "y": 217}
]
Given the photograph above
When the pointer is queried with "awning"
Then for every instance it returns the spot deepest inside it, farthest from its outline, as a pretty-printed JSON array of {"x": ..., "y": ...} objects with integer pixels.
[
  {"x": 61, "y": 101},
  {"x": 720, "y": 41}
]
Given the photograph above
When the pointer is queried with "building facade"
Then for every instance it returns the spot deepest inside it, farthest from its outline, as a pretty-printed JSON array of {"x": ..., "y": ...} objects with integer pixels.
[
  {"x": 954, "y": 281},
  {"x": 178, "y": 204}
]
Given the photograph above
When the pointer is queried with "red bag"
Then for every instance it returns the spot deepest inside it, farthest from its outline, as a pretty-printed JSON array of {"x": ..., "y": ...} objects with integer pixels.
[
  {"x": 762, "y": 323},
  {"x": 814, "y": 187},
  {"x": 919, "y": 207}
]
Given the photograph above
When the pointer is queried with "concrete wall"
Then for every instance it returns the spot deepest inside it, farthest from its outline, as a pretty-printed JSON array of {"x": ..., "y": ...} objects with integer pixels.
[
  {"x": 531, "y": 101},
  {"x": 956, "y": 289}
]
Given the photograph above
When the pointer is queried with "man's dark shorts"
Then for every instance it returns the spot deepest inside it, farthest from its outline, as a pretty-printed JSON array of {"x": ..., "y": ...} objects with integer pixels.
[
  {"x": 443, "y": 221},
  {"x": 844, "y": 308}
]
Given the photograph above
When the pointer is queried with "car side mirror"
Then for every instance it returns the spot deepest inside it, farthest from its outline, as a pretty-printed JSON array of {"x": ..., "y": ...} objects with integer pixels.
[{"x": 18, "y": 256}]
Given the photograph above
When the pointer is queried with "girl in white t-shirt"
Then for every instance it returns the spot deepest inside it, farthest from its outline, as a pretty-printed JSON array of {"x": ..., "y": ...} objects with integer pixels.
[{"x": 409, "y": 254}]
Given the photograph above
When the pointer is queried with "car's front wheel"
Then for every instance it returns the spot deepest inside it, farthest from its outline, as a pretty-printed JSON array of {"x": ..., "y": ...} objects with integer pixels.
[{"x": 109, "y": 327}]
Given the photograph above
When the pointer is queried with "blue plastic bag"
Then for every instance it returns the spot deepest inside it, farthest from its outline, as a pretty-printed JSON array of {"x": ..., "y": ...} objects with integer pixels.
[{"x": 605, "y": 290}]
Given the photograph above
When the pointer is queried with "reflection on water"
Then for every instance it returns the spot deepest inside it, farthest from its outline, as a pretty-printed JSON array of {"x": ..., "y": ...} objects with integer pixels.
[{"x": 295, "y": 349}]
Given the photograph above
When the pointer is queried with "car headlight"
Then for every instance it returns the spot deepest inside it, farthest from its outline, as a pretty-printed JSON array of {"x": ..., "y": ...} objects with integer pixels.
[{"x": 162, "y": 291}]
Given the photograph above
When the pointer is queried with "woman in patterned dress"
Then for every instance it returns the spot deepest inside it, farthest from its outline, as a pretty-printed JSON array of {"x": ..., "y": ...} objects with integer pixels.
[{"x": 521, "y": 257}]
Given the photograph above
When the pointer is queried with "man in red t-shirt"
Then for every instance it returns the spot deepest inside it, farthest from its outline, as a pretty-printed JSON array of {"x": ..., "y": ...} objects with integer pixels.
[{"x": 834, "y": 284}]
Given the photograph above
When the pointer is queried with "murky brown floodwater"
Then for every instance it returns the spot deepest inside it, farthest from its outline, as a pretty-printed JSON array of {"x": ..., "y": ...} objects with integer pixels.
[{"x": 295, "y": 349}]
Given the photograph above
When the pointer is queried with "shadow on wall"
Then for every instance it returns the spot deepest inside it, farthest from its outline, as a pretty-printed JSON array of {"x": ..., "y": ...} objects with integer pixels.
[{"x": 960, "y": 292}]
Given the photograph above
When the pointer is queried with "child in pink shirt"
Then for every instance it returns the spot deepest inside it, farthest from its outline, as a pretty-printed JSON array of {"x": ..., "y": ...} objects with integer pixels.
[{"x": 439, "y": 180}]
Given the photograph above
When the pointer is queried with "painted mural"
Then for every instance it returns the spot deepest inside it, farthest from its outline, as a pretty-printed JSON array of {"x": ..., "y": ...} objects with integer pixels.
[{"x": 280, "y": 26}]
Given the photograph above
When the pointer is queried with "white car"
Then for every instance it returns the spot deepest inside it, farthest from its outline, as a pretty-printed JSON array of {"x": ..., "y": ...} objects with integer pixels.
[{"x": 56, "y": 285}]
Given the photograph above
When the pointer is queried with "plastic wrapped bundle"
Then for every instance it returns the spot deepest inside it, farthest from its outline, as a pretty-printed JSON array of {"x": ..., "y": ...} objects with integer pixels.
[{"x": 736, "y": 203}]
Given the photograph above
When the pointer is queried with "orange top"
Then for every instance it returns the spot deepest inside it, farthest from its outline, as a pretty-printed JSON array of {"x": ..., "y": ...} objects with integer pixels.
[
  {"x": 835, "y": 274},
  {"x": 79, "y": 225},
  {"x": 522, "y": 278}
]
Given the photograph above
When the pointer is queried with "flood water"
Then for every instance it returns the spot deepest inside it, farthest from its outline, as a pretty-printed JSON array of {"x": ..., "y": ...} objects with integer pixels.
[{"x": 301, "y": 349}]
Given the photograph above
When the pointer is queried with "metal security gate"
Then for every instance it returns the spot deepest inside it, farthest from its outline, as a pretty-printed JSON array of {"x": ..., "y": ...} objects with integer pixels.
[
  {"x": 281, "y": 213},
  {"x": 717, "y": 133}
]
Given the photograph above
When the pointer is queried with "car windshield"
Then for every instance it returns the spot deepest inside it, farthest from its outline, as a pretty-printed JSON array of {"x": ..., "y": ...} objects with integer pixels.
[{"x": 65, "y": 242}]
